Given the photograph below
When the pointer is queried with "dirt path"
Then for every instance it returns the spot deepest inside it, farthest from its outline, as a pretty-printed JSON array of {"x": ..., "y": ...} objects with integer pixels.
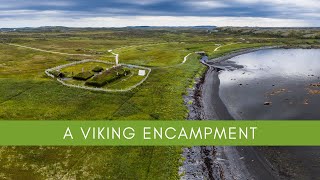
[
  {"x": 217, "y": 48},
  {"x": 186, "y": 58},
  {"x": 47, "y": 51},
  {"x": 115, "y": 55},
  {"x": 83, "y": 61},
  {"x": 220, "y": 46}
]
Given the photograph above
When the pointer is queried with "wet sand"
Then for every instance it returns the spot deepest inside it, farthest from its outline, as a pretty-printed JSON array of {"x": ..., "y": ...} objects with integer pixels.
[
  {"x": 250, "y": 162},
  {"x": 234, "y": 162},
  {"x": 281, "y": 79}
]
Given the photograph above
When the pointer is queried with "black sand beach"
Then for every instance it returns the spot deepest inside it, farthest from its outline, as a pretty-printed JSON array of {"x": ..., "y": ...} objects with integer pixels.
[{"x": 238, "y": 88}]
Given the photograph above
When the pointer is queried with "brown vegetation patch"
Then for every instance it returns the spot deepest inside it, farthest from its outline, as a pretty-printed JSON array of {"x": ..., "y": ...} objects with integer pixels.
[
  {"x": 278, "y": 91},
  {"x": 313, "y": 91}
]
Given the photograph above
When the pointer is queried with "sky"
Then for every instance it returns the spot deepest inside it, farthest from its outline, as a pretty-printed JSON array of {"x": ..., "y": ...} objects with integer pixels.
[{"x": 121, "y": 13}]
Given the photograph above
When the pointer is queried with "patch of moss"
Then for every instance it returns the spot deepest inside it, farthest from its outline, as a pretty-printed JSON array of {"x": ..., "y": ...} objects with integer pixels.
[{"x": 97, "y": 69}]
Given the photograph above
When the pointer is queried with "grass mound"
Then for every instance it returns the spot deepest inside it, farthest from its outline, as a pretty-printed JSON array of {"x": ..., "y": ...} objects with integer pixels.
[
  {"x": 57, "y": 74},
  {"x": 97, "y": 69},
  {"x": 83, "y": 76},
  {"x": 108, "y": 76}
]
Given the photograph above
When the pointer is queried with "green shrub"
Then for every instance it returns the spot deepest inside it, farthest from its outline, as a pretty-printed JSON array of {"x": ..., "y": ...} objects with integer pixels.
[
  {"x": 83, "y": 76},
  {"x": 97, "y": 69}
]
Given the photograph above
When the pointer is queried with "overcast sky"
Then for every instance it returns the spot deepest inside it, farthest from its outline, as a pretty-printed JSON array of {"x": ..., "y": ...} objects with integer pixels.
[{"x": 119, "y": 13}]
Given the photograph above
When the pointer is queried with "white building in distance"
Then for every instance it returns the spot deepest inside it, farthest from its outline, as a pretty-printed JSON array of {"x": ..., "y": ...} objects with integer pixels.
[{"x": 142, "y": 72}]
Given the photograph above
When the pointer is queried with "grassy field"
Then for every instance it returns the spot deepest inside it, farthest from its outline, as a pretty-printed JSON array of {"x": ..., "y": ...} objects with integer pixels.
[
  {"x": 88, "y": 66},
  {"x": 28, "y": 94}
]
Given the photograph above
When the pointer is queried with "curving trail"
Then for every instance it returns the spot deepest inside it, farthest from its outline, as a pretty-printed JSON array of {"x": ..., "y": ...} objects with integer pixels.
[
  {"x": 217, "y": 48},
  {"x": 47, "y": 51},
  {"x": 116, "y": 56},
  {"x": 47, "y": 72},
  {"x": 186, "y": 58},
  {"x": 220, "y": 46},
  {"x": 116, "y": 61}
]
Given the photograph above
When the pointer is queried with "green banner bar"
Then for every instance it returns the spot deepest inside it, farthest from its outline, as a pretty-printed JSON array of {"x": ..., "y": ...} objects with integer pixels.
[{"x": 160, "y": 133}]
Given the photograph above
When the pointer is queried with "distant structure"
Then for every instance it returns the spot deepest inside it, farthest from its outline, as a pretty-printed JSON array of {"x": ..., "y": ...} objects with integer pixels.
[
  {"x": 142, "y": 72},
  {"x": 201, "y": 53},
  {"x": 117, "y": 59}
]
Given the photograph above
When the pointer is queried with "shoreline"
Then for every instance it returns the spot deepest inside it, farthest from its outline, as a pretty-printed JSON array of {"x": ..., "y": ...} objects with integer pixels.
[
  {"x": 198, "y": 161},
  {"x": 210, "y": 162},
  {"x": 240, "y": 52}
]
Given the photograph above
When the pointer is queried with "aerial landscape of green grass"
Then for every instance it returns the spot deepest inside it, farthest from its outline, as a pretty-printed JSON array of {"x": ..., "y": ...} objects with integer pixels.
[{"x": 29, "y": 94}]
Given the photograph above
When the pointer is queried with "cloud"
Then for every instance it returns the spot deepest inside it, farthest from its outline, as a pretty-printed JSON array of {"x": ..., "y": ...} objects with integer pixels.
[
  {"x": 239, "y": 12},
  {"x": 313, "y": 15},
  {"x": 285, "y": 8},
  {"x": 142, "y": 2},
  {"x": 26, "y": 12},
  {"x": 286, "y": 3},
  {"x": 17, "y": 4},
  {"x": 122, "y": 21},
  {"x": 206, "y": 4}
]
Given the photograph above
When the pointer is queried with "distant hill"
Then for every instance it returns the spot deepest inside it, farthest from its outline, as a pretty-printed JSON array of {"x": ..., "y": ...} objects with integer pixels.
[
  {"x": 298, "y": 32},
  {"x": 157, "y": 27},
  {"x": 67, "y": 29}
]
